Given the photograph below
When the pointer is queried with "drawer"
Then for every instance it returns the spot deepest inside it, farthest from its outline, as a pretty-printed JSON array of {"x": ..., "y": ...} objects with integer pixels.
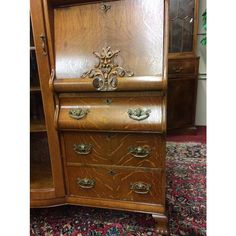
[
  {"x": 139, "y": 150},
  {"x": 182, "y": 66},
  {"x": 91, "y": 182},
  {"x": 87, "y": 148},
  {"x": 117, "y": 183},
  {"x": 138, "y": 113}
]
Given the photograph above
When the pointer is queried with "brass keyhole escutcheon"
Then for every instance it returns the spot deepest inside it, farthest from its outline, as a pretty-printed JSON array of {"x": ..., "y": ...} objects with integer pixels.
[
  {"x": 112, "y": 172},
  {"x": 108, "y": 101}
]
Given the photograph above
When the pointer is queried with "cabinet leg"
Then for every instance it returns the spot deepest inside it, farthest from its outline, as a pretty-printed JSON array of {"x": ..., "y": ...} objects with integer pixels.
[{"x": 161, "y": 224}]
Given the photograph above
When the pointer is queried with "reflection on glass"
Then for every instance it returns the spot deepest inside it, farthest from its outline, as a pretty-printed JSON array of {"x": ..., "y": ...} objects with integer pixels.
[{"x": 181, "y": 25}]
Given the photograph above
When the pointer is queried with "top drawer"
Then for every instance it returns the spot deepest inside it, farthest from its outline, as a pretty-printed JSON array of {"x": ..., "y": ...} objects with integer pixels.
[
  {"x": 183, "y": 66},
  {"x": 109, "y": 113}
]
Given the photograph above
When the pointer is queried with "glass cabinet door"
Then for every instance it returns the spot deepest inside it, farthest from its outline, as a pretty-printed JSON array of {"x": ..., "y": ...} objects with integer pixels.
[{"x": 181, "y": 26}]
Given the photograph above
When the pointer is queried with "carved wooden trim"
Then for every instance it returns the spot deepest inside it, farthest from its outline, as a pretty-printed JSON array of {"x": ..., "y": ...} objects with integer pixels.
[{"x": 106, "y": 72}]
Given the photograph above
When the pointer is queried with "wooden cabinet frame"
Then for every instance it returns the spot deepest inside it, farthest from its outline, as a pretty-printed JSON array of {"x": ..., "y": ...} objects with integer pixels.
[{"x": 51, "y": 196}]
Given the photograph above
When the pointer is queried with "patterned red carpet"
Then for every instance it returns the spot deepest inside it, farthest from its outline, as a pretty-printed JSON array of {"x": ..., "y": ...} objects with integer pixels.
[{"x": 185, "y": 199}]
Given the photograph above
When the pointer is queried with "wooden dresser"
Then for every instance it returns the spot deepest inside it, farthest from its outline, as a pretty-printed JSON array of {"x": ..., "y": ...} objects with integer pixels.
[{"x": 108, "y": 78}]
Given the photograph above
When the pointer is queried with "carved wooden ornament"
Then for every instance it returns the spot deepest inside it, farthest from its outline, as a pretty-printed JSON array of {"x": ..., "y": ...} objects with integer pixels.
[{"x": 106, "y": 72}]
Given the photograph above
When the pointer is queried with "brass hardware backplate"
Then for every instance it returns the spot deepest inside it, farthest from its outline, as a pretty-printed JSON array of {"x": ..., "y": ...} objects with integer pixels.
[
  {"x": 104, "y": 7},
  {"x": 139, "y": 114},
  {"x": 82, "y": 148},
  {"x": 86, "y": 183},
  {"x": 43, "y": 45},
  {"x": 78, "y": 113},
  {"x": 140, "y": 187},
  {"x": 140, "y": 152}
]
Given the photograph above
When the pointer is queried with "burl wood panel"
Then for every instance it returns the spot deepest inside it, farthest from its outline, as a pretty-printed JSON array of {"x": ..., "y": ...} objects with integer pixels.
[
  {"x": 115, "y": 183},
  {"x": 135, "y": 27},
  {"x": 114, "y": 149},
  {"x": 113, "y": 116}
]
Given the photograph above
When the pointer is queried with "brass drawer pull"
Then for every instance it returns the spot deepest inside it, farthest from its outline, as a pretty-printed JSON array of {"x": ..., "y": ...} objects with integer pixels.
[
  {"x": 105, "y": 7},
  {"x": 139, "y": 114},
  {"x": 78, "y": 113},
  {"x": 82, "y": 148},
  {"x": 140, "y": 187},
  {"x": 178, "y": 69},
  {"x": 139, "y": 152},
  {"x": 86, "y": 183}
]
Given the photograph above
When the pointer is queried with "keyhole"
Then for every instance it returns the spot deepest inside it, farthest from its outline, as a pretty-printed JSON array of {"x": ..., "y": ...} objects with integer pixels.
[
  {"x": 108, "y": 101},
  {"x": 111, "y": 172}
]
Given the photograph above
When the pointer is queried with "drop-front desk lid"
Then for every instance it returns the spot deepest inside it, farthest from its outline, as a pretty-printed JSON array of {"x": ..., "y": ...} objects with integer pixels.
[
  {"x": 109, "y": 46},
  {"x": 137, "y": 113}
]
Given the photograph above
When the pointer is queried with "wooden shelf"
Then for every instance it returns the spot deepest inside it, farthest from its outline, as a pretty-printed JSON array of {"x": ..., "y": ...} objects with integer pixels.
[
  {"x": 37, "y": 126},
  {"x": 35, "y": 89},
  {"x": 40, "y": 176}
]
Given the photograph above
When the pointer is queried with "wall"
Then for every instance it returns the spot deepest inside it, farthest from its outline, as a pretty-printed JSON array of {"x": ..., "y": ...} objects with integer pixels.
[{"x": 201, "y": 51}]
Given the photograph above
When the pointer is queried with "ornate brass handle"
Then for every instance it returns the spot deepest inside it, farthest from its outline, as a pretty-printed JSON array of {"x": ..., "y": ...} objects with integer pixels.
[
  {"x": 139, "y": 152},
  {"x": 140, "y": 187},
  {"x": 78, "y": 113},
  {"x": 82, "y": 148},
  {"x": 139, "y": 114},
  {"x": 86, "y": 183},
  {"x": 44, "y": 46},
  {"x": 178, "y": 69}
]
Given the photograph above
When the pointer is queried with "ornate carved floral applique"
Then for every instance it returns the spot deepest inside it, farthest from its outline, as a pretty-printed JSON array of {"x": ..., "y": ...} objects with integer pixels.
[{"x": 106, "y": 72}]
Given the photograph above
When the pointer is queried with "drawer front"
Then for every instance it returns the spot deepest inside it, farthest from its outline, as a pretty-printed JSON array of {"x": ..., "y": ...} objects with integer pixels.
[
  {"x": 91, "y": 182},
  {"x": 112, "y": 113},
  {"x": 184, "y": 66},
  {"x": 141, "y": 186},
  {"x": 139, "y": 150},
  {"x": 87, "y": 148},
  {"x": 117, "y": 183}
]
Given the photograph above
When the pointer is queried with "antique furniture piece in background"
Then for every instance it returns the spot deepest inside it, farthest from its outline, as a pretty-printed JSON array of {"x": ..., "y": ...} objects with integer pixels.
[
  {"x": 182, "y": 66},
  {"x": 103, "y": 77}
]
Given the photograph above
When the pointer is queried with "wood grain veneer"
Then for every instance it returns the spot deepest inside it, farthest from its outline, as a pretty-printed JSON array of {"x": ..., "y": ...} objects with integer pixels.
[
  {"x": 81, "y": 30},
  {"x": 114, "y": 149},
  {"x": 115, "y": 183},
  {"x": 99, "y": 116}
]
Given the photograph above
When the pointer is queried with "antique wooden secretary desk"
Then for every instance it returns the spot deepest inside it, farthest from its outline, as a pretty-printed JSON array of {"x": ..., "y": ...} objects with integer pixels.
[{"x": 103, "y": 78}]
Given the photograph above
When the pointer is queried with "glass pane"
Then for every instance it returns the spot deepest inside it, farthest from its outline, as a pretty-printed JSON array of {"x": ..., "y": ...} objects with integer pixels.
[
  {"x": 181, "y": 25},
  {"x": 40, "y": 166},
  {"x": 31, "y": 35},
  {"x": 34, "y": 79},
  {"x": 36, "y": 108}
]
